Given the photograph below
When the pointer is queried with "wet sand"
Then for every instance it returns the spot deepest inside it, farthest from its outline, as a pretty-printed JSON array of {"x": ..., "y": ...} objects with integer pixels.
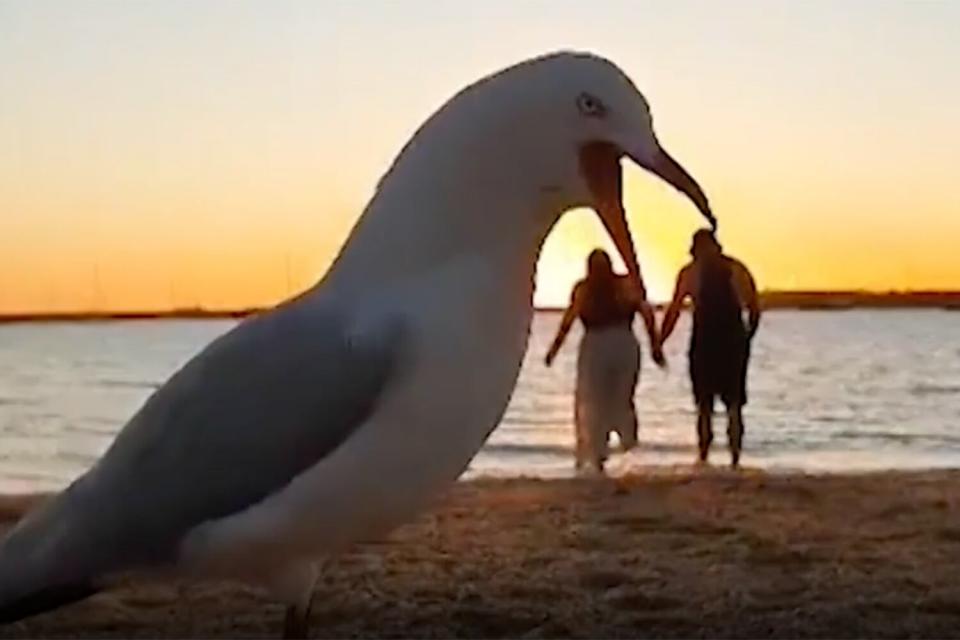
[{"x": 681, "y": 554}]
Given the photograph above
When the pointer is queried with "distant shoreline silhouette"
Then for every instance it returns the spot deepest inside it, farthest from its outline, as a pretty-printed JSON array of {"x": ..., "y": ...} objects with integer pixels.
[
  {"x": 773, "y": 299},
  {"x": 108, "y": 316},
  {"x": 842, "y": 300}
]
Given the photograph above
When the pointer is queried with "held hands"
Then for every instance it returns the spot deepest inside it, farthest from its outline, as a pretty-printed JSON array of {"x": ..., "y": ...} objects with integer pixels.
[
  {"x": 658, "y": 357},
  {"x": 656, "y": 340},
  {"x": 548, "y": 359},
  {"x": 636, "y": 292}
]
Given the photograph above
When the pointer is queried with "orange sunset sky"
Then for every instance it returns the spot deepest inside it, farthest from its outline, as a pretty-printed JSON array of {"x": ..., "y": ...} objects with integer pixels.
[{"x": 172, "y": 154}]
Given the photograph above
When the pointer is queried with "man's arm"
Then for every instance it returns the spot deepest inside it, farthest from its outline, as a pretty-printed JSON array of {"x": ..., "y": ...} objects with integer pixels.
[
  {"x": 568, "y": 317},
  {"x": 749, "y": 297},
  {"x": 680, "y": 291}
]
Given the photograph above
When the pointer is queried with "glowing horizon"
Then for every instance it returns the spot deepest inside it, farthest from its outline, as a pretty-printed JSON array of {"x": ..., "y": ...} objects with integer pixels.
[{"x": 175, "y": 154}]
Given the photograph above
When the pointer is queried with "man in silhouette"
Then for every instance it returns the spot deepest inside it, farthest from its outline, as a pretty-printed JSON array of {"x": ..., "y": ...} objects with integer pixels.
[{"x": 720, "y": 287}]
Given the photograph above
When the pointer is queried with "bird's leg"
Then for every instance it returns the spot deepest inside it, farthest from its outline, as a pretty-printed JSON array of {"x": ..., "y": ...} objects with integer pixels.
[
  {"x": 296, "y": 621},
  {"x": 295, "y": 587}
]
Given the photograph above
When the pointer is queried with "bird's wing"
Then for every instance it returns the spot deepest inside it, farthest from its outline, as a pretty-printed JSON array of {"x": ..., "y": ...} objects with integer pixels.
[{"x": 257, "y": 407}]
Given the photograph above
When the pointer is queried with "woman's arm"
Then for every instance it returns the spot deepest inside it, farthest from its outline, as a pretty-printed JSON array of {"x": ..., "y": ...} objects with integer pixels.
[
  {"x": 638, "y": 296},
  {"x": 649, "y": 321},
  {"x": 568, "y": 317}
]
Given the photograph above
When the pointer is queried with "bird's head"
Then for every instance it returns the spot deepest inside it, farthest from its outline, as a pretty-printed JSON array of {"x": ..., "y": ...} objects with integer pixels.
[
  {"x": 576, "y": 117},
  {"x": 537, "y": 139}
]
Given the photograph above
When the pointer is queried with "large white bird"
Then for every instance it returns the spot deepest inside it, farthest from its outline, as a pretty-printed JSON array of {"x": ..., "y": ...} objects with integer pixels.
[{"x": 342, "y": 412}]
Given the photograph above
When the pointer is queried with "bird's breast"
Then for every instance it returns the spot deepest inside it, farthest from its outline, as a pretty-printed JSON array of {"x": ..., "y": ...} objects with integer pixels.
[{"x": 469, "y": 338}]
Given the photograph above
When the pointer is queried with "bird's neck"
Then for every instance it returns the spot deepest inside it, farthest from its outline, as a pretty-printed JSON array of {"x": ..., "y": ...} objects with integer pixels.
[{"x": 402, "y": 235}]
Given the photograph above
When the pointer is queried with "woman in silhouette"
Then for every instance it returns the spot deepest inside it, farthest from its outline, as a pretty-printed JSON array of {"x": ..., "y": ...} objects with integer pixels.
[{"x": 608, "y": 364}]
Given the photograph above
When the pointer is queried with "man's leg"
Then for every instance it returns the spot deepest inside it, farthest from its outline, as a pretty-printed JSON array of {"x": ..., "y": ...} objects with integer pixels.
[
  {"x": 703, "y": 397},
  {"x": 735, "y": 433},
  {"x": 704, "y": 428},
  {"x": 734, "y": 398}
]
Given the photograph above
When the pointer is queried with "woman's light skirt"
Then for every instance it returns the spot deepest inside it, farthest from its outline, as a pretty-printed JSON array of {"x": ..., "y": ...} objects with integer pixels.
[{"x": 608, "y": 367}]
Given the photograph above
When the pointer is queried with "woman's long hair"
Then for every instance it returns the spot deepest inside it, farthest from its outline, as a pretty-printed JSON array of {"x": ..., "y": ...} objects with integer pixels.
[
  {"x": 600, "y": 271},
  {"x": 602, "y": 299}
]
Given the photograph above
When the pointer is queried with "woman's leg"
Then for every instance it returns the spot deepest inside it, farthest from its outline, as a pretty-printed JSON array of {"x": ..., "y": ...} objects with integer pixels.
[
  {"x": 599, "y": 441},
  {"x": 593, "y": 390},
  {"x": 627, "y": 377},
  {"x": 591, "y": 444},
  {"x": 577, "y": 445}
]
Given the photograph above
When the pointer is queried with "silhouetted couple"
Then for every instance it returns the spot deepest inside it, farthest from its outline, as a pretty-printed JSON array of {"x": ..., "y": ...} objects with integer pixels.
[{"x": 720, "y": 288}]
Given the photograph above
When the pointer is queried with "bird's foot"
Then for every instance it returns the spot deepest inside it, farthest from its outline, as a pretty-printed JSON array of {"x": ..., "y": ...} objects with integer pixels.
[
  {"x": 296, "y": 622},
  {"x": 294, "y": 585}
]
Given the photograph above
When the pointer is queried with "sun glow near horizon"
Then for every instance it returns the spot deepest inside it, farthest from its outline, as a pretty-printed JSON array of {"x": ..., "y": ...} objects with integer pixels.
[{"x": 165, "y": 154}]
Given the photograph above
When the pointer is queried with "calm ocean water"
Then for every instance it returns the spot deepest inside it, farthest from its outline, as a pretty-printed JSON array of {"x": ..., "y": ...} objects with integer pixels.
[{"x": 829, "y": 391}]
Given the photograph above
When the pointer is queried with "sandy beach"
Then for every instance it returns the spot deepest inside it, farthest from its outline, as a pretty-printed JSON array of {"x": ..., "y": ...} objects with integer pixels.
[{"x": 679, "y": 553}]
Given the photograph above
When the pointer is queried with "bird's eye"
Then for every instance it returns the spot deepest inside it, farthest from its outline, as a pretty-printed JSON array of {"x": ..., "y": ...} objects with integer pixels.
[{"x": 591, "y": 106}]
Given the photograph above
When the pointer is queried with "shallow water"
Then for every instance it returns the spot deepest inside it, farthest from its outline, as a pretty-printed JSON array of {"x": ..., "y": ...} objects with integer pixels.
[{"x": 829, "y": 391}]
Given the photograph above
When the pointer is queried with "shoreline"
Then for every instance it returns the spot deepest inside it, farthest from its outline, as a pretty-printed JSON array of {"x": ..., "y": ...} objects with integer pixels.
[
  {"x": 771, "y": 300},
  {"x": 702, "y": 553},
  {"x": 14, "y": 502}
]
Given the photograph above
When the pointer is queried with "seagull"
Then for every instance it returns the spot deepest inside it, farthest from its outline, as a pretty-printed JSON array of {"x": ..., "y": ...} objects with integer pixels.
[{"x": 344, "y": 411}]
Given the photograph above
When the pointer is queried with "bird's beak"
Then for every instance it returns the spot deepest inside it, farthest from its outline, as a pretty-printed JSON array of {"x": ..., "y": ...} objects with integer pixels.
[
  {"x": 662, "y": 164},
  {"x": 600, "y": 165}
]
